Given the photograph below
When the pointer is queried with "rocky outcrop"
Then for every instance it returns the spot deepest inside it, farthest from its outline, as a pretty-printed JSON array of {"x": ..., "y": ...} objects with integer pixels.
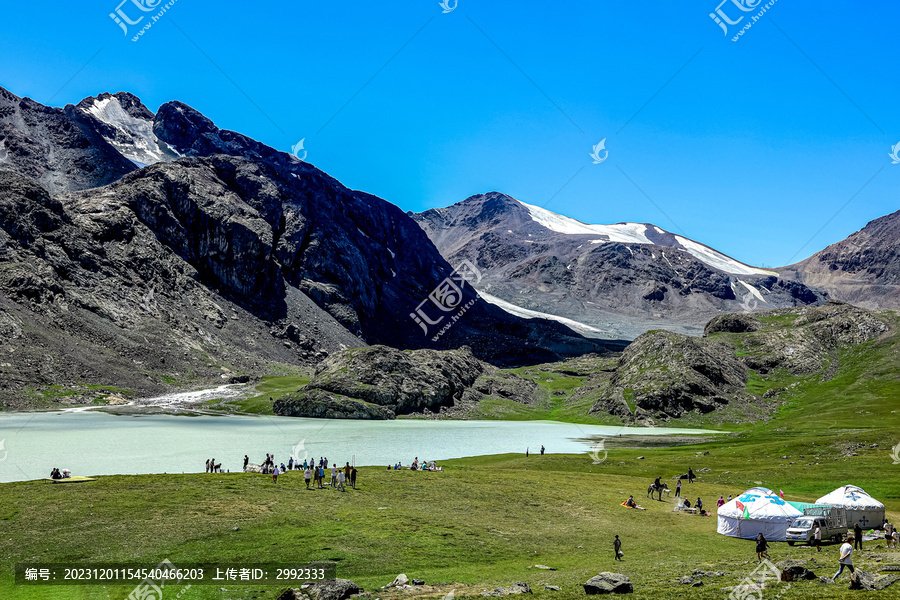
[
  {"x": 381, "y": 382},
  {"x": 664, "y": 375},
  {"x": 319, "y": 404},
  {"x": 333, "y": 589},
  {"x": 608, "y": 583}
]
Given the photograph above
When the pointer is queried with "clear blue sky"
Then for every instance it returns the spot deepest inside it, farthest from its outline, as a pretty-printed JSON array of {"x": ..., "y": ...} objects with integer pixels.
[{"x": 758, "y": 147}]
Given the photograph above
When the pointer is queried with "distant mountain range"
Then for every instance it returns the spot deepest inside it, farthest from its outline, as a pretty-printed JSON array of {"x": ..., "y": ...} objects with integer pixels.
[
  {"x": 615, "y": 280},
  {"x": 154, "y": 250},
  {"x": 148, "y": 251}
]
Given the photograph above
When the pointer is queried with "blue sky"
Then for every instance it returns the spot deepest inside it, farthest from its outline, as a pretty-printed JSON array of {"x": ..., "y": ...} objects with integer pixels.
[{"x": 768, "y": 148}]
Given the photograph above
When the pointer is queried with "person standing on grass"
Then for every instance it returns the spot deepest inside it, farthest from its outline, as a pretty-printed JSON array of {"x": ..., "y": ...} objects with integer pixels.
[
  {"x": 691, "y": 476},
  {"x": 341, "y": 478},
  {"x": 678, "y": 489},
  {"x": 307, "y": 475},
  {"x": 857, "y": 536},
  {"x": 334, "y": 471},
  {"x": 321, "y": 478},
  {"x": 846, "y": 559},
  {"x": 347, "y": 471},
  {"x": 888, "y": 532},
  {"x": 542, "y": 449},
  {"x": 246, "y": 461},
  {"x": 291, "y": 464},
  {"x": 275, "y": 475},
  {"x": 818, "y": 537},
  {"x": 353, "y": 477},
  {"x": 526, "y": 452},
  {"x": 617, "y": 548},
  {"x": 762, "y": 548}
]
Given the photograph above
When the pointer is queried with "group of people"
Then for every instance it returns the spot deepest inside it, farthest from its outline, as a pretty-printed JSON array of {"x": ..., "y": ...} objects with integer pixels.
[
  {"x": 416, "y": 466},
  {"x": 340, "y": 476},
  {"x": 57, "y": 474},
  {"x": 212, "y": 466}
]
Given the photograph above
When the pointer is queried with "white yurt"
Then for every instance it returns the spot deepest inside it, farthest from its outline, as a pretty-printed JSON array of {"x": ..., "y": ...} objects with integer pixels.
[
  {"x": 758, "y": 510},
  {"x": 860, "y": 506}
]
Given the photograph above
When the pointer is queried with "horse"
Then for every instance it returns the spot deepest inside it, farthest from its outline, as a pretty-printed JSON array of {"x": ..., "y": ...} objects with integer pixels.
[{"x": 658, "y": 489}]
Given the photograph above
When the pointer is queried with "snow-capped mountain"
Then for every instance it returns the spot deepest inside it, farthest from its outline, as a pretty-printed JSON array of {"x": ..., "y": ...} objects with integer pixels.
[
  {"x": 616, "y": 280},
  {"x": 128, "y": 125},
  {"x": 641, "y": 233}
]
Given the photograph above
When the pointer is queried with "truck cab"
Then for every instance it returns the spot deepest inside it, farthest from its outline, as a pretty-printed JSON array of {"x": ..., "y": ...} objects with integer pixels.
[
  {"x": 803, "y": 529},
  {"x": 831, "y": 521}
]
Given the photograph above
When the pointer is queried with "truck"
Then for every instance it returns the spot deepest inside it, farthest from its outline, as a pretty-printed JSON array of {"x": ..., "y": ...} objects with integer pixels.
[{"x": 831, "y": 520}]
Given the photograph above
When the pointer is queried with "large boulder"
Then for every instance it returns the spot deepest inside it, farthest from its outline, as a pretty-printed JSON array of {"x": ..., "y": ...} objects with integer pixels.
[
  {"x": 794, "y": 570},
  {"x": 608, "y": 583},
  {"x": 872, "y": 581},
  {"x": 333, "y": 589}
]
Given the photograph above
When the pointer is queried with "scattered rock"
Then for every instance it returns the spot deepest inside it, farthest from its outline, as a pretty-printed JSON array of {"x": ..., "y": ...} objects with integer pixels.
[
  {"x": 399, "y": 581},
  {"x": 686, "y": 580},
  {"x": 640, "y": 458},
  {"x": 545, "y": 567},
  {"x": 697, "y": 583},
  {"x": 418, "y": 582},
  {"x": 608, "y": 583},
  {"x": 333, "y": 589},
  {"x": 794, "y": 570},
  {"x": 552, "y": 588}
]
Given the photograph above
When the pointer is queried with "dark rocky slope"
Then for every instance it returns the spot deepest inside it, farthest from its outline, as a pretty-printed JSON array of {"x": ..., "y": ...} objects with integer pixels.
[{"x": 863, "y": 269}]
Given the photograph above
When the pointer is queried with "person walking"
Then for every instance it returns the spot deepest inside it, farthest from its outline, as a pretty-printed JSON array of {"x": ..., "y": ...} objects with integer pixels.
[
  {"x": 617, "y": 548},
  {"x": 340, "y": 481},
  {"x": 762, "y": 548},
  {"x": 857, "y": 536},
  {"x": 353, "y": 477},
  {"x": 307, "y": 475},
  {"x": 678, "y": 489},
  {"x": 846, "y": 559},
  {"x": 888, "y": 532},
  {"x": 691, "y": 476},
  {"x": 817, "y": 535},
  {"x": 275, "y": 475},
  {"x": 347, "y": 471}
]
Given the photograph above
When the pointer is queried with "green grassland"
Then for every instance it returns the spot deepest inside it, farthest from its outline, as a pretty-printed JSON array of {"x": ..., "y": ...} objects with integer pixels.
[
  {"x": 482, "y": 522},
  {"x": 486, "y": 521}
]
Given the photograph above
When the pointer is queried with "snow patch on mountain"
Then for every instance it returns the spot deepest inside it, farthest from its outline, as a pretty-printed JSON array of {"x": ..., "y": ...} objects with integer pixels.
[
  {"x": 533, "y": 314},
  {"x": 636, "y": 233},
  {"x": 134, "y": 137}
]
